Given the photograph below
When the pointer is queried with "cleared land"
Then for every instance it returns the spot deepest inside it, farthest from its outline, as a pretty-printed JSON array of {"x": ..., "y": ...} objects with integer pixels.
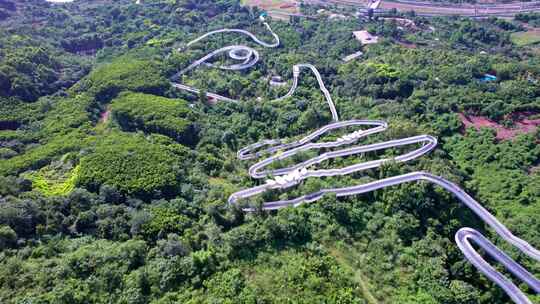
[
  {"x": 526, "y": 38},
  {"x": 522, "y": 124},
  {"x": 275, "y": 8}
]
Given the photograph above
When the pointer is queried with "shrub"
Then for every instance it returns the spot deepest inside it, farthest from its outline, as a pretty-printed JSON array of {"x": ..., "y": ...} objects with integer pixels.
[
  {"x": 42, "y": 155},
  {"x": 122, "y": 74}
]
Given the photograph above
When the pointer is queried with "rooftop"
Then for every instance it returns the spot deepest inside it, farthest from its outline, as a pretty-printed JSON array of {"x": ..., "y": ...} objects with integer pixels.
[{"x": 365, "y": 37}]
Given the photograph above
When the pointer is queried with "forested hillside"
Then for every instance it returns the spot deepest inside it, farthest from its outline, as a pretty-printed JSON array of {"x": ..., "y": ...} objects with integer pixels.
[{"x": 114, "y": 183}]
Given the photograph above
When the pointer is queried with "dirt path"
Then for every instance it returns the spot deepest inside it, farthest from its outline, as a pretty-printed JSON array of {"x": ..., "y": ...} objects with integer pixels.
[
  {"x": 105, "y": 115},
  {"x": 346, "y": 258}
]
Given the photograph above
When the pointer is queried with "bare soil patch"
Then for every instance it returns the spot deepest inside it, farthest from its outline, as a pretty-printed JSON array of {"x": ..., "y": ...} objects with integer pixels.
[
  {"x": 522, "y": 124},
  {"x": 284, "y": 6},
  {"x": 104, "y": 117}
]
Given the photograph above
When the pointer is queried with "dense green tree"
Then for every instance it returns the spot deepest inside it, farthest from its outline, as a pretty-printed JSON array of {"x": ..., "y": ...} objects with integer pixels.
[
  {"x": 129, "y": 162},
  {"x": 171, "y": 117},
  {"x": 146, "y": 219}
]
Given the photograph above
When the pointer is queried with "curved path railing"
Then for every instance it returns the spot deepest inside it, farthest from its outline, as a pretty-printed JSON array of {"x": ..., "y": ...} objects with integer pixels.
[
  {"x": 296, "y": 74},
  {"x": 248, "y": 57},
  {"x": 290, "y": 176},
  {"x": 293, "y": 175}
]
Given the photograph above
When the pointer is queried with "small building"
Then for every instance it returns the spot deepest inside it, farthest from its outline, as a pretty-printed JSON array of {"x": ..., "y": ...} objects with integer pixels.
[
  {"x": 365, "y": 37},
  {"x": 488, "y": 78},
  {"x": 337, "y": 17},
  {"x": 374, "y": 4}
]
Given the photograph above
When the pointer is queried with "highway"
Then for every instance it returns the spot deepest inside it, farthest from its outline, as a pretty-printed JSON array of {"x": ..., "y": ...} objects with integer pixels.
[
  {"x": 283, "y": 178},
  {"x": 434, "y": 9}
]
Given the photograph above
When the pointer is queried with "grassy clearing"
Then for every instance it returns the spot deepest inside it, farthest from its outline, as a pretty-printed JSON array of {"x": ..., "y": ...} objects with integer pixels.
[
  {"x": 526, "y": 38},
  {"x": 54, "y": 180},
  {"x": 291, "y": 276},
  {"x": 348, "y": 259}
]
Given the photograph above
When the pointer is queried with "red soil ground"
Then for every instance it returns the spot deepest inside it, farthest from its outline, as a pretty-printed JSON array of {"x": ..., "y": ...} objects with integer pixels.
[
  {"x": 288, "y": 5},
  {"x": 521, "y": 124},
  {"x": 105, "y": 116}
]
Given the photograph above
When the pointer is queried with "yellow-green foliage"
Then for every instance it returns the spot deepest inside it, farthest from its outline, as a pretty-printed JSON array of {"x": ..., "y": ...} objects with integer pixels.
[
  {"x": 159, "y": 42},
  {"x": 124, "y": 73},
  {"x": 384, "y": 70},
  {"x": 381, "y": 70},
  {"x": 526, "y": 38},
  {"x": 154, "y": 114},
  {"x": 52, "y": 182}
]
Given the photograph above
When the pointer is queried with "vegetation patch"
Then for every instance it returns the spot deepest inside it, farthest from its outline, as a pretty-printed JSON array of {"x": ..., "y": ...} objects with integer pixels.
[
  {"x": 148, "y": 219},
  {"x": 154, "y": 114},
  {"x": 42, "y": 155},
  {"x": 59, "y": 178},
  {"x": 308, "y": 277},
  {"x": 14, "y": 113},
  {"x": 29, "y": 72},
  {"x": 526, "y": 38},
  {"x": 66, "y": 114},
  {"x": 124, "y": 73},
  {"x": 133, "y": 164}
]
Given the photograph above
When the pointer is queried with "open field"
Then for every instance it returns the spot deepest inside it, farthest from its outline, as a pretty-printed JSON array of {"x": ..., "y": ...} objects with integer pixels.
[
  {"x": 526, "y": 38},
  {"x": 276, "y": 8}
]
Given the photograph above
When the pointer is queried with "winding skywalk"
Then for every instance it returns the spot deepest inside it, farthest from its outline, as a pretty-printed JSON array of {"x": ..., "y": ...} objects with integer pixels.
[
  {"x": 284, "y": 178},
  {"x": 294, "y": 175},
  {"x": 248, "y": 57},
  {"x": 296, "y": 75}
]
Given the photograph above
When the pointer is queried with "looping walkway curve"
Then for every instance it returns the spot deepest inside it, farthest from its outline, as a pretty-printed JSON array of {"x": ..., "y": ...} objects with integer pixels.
[{"x": 248, "y": 57}]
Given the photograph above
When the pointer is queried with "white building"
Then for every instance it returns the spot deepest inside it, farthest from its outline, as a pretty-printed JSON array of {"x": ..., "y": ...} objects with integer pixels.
[{"x": 365, "y": 37}]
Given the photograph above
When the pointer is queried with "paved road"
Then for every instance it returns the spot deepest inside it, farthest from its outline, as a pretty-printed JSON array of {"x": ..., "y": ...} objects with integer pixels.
[
  {"x": 432, "y": 9},
  {"x": 279, "y": 149}
]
